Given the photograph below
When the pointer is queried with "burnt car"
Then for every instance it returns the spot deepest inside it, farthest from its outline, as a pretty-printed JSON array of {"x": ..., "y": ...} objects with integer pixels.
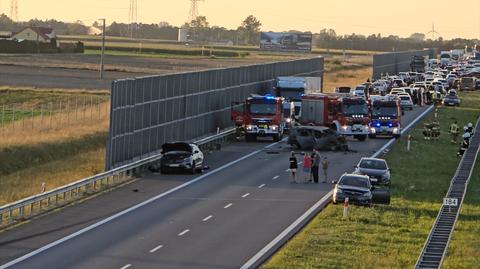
[
  {"x": 316, "y": 137},
  {"x": 179, "y": 156}
]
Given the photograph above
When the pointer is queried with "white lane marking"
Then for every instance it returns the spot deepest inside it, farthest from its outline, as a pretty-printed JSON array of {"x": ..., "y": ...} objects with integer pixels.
[
  {"x": 300, "y": 163},
  {"x": 275, "y": 177},
  {"x": 261, "y": 186},
  {"x": 328, "y": 196},
  {"x": 245, "y": 195},
  {"x": 128, "y": 210},
  {"x": 156, "y": 248},
  {"x": 184, "y": 232},
  {"x": 288, "y": 170},
  {"x": 227, "y": 206},
  {"x": 126, "y": 266},
  {"x": 207, "y": 218}
]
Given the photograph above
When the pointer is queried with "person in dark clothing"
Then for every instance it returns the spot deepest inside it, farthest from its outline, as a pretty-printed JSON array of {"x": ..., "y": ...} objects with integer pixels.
[
  {"x": 316, "y": 165},
  {"x": 293, "y": 167}
]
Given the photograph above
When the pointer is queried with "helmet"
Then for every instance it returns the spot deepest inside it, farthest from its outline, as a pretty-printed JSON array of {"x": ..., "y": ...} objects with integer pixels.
[
  {"x": 470, "y": 125},
  {"x": 465, "y": 128},
  {"x": 466, "y": 135}
]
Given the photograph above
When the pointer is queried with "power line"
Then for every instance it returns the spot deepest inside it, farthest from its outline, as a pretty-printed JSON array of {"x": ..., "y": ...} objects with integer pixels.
[{"x": 193, "y": 14}]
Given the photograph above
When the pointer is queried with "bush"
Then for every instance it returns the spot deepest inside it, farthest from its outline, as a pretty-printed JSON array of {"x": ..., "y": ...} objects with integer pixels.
[
  {"x": 195, "y": 52},
  {"x": 26, "y": 46}
]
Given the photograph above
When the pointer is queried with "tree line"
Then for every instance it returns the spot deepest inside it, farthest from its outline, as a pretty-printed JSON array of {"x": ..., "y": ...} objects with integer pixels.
[{"x": 247, "y": 33}]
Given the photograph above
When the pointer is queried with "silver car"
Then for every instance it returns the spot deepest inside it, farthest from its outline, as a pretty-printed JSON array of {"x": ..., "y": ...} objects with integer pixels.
[
  {"x": 357, "y": 188},
  {"x": 376, "y": 169}
]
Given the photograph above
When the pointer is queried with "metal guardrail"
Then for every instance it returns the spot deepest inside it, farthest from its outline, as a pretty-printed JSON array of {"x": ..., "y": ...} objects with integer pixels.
[
  {"x": 435, "y": 247},
  {"x": 36, "y": 204}
]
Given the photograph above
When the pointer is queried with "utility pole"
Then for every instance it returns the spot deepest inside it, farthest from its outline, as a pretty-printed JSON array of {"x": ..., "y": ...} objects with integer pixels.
[{"x": 103, "y": 49}]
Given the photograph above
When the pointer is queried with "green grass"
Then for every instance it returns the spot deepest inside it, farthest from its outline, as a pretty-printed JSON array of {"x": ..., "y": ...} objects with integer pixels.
[
  {"x": 19, "y": 104},
  {"x": 389, "y": 236}
]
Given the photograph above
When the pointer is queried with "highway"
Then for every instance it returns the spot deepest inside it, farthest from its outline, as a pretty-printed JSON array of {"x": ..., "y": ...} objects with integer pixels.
[{"x": 216, "y": 220}]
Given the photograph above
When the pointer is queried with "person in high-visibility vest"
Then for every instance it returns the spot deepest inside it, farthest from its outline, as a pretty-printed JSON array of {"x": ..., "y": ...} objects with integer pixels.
[{"x": 454, "y": 130}]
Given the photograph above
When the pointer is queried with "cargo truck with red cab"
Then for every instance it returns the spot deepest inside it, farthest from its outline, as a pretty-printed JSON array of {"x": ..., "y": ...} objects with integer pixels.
[
  {"x": 348, "y": 115},
  {"x": 260, "y": 116}
]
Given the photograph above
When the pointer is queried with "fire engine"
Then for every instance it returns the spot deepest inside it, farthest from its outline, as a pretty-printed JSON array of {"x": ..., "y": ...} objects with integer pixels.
[
  {"x": 386, "y": 117},
  {"x": 349, "y": 115},
  {"x": 260, "y": 116}
]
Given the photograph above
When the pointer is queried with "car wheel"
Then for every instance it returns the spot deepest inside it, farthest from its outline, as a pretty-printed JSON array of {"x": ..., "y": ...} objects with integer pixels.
[
  {"x": 276, "y": 138},
  {"x": 372, "y": 136},
  {"x": 193, "y": 169},
  {"x": 361, "y": 137},
  {"x": 397, "y": 136}
]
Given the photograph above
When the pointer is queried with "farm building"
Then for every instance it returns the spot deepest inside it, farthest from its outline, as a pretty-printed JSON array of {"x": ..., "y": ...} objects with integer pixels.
[{"x": 34, "y": 33}]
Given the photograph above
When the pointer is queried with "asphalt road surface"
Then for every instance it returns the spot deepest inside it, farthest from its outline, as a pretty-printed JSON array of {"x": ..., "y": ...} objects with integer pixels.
[{"x": 219, "y": 221}]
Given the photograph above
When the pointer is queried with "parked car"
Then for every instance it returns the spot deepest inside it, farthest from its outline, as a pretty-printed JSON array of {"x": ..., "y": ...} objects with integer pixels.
[
  {"x": 360, "y": 91},
  {"x": 317, "y": 137},
  {"x": 343, "y": 89},
  {"x": 180, "y": 156},
  {"x": 451, "y": 99},
  {"x": 397, "y": 91},
  {"x": 376, "y": 169},
  {"x": 357, "y": 188},
  {"x": 406, "y": 101}
]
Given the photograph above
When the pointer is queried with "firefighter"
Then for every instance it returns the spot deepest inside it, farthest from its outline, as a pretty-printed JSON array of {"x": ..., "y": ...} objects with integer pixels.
[
  {"x": 465, "y": 143},
  {"x": 454, "y": 130},
  {"x": 470, "y": 128}
]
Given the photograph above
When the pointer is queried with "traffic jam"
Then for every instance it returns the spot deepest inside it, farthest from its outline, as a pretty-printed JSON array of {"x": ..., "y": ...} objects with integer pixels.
[
  {"x": 317, "y": 121},
  {"x": 323, "y": 121}
]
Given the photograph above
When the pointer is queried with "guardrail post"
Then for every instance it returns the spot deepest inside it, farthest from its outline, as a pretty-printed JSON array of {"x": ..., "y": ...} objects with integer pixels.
[
  {"x": 56, "y": 199},
  {"x": 1, "y": 219},
  {"x": 10, "y": 215},
  {"x": 48, "y": 202},
  {"x": 31, "y": 208},
  {"x": 20, "y": 212}
]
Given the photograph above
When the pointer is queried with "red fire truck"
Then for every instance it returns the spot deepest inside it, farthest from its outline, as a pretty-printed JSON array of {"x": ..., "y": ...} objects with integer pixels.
[
  {"x": 260, "y": 116},
  {"x": 386, "y": 116},
  {"x": 347, "y": 114}
]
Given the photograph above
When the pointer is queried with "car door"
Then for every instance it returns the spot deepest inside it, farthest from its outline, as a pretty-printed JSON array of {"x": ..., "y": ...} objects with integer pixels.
[
  {"x": 197, "y": 155},
  {"x": 305, "y": 138},
  {"x": 320, "y": 141}
]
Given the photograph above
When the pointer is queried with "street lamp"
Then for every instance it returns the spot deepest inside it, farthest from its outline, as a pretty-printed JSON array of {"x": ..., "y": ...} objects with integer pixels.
[{"x": 103, "y": 49}]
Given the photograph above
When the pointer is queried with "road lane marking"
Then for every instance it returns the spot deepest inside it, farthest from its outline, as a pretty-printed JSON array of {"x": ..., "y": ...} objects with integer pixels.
[
  {"x": 207, "y": 218},
  {"x": 245, "y": 195},
  {"x": 133, "y": 208},
  {"x": 156, "y": 248},
  {"x": 126, "y": 266},
  {"x": 288, "y": 170},
  {"x": 275, "y": 177},
  {"x": 227, "y": 206},
  {"x": 184, "y": 232},
  {"x": 261, "y": 186}
]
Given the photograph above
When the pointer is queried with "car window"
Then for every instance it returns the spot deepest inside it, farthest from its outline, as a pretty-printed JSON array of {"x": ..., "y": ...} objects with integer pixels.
[
  {"x": 317, "y": 134},
  {"x": 354, "y": 181},
  {"x": 373, "y": 164}
]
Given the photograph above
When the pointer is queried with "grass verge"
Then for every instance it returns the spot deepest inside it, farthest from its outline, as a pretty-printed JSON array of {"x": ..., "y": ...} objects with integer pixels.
[{"x": 388, "y": 236}]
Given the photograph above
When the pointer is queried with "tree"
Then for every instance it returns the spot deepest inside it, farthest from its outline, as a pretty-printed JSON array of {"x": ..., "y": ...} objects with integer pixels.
[
  {"x": 250, "y": 28},
  {"x": 198, "y": 28},
  {"x": 417, "y": 37}
]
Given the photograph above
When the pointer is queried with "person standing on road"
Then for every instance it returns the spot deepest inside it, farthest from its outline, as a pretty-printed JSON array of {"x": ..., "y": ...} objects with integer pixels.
[
  {"x": 315, "y": 166},
  {"x": 454, "y": 130},
  {"x": 325, "y": 164},
  {"x": 307, "y": 167},
  {"x": 293, "y": 167}
]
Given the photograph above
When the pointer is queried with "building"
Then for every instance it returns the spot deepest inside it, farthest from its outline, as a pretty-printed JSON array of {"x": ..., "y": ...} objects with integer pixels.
[
  {"x": 94, "y": 31},
  {"x": 34, "y": 33},
  {"x": 5, "y": 34}
]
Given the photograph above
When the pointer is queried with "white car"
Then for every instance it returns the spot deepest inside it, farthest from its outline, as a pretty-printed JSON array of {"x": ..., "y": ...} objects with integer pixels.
[
  {"x": 380, "y": 86},
  {"x": 360, "y": 91},
  {"x": 406, "y": 101},
  {"x": 444, "y": 82}
]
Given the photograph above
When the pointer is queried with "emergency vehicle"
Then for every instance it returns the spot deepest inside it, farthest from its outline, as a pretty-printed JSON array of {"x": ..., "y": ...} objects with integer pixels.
[
  {"x": 385, "y": 116},
  {"x": 260, "y": 116},
  {"x": 348, "y": 115}
]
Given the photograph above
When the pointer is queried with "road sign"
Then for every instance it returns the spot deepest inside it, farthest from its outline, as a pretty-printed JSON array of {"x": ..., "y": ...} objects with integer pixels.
[{"x": 450, "y": 201}]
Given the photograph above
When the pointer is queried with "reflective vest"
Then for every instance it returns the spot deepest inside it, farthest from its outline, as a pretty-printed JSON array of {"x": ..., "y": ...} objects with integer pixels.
[{"x": 454, "y": 128}]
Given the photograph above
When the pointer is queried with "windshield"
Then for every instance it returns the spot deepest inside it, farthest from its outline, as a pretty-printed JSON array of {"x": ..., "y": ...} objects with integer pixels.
[
  {"x": 405, "y": 98},
  {"x": 384, "y": 111},
  {"x": 293, "y": 95},
  {"x": 286, "y": 112},
  {"x": 373, "y": 164},
  {"x": 264, "y": 109},
  {"x": 355, "y": 109},
  {"x": 354, "y": 181}
]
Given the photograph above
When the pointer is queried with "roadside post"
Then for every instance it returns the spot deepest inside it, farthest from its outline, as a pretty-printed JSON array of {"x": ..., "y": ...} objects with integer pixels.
[
  {"x": 44, "y": 187},
  {"x": 103, "y": 49},
  {"x": 345, "y": 208},
  {"x": 409, "y": 142},
  {"x": 450, "y": 202}
]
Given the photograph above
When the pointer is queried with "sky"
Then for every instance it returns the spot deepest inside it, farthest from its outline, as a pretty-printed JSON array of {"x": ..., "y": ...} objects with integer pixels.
[{"x": 452, "y": 19}]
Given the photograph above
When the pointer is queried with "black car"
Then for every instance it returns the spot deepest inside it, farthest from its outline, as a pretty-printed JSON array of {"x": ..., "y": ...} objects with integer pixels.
[
  {"x": 316, "y": 137},
  {"x": 357, "y": 188},
  {"x": 451, "y": 99},
  {"x": 180, "y": 156}
]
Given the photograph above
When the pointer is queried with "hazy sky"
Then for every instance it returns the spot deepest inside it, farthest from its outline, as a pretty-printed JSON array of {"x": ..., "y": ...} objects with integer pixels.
[{"x": 459, "y": 18}]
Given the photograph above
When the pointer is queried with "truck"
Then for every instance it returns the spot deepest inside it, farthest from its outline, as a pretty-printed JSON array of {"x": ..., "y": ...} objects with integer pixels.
[
  {"x": 292, "y": 89},
  {"x": 260, "y": 116},
  {"x": 457, "y": 54},
  {"x": 418, "y": 64},
  {"x": 348, "y": 115},
  {"x": 385, "y": 117},
  {"x": 445, "y": 57}
]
